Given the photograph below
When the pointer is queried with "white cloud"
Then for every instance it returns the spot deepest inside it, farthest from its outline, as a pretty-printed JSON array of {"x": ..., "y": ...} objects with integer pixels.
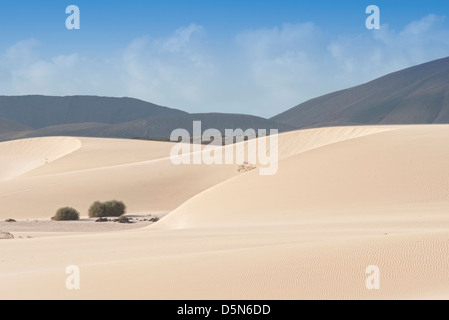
[
  {"x": 181, "y": 40},
  {"x": 172, "y": 71},
  {"x": 422, "y": 26},
  {"x": 22, "y": 51},
  {"x": 263, "y": 71},
  {"x": 382, "y": 51}
]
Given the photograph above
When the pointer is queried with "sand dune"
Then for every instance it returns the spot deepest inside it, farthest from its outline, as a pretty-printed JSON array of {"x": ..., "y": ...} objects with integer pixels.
[
  {"x": 383, "y": 172},
  {"x": 19, "y": 157},
  {"x": 139, "y": 173},
  {"x": 343, "y": 199}
]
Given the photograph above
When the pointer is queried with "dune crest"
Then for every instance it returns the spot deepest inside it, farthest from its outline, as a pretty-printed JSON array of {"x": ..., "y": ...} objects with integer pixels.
[{"x": 20, "y": 156}]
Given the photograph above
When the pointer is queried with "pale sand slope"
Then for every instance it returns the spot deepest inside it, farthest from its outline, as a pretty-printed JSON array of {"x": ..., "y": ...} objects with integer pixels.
[
  {"x": 343, "y": 199},
  {"x": 138, "y": 173},
  {"x": 374, "y": 176},
  {"x": 19, "y": 157}
]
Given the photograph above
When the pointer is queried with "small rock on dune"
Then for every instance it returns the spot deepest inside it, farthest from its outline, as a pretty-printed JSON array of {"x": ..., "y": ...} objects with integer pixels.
[
  {"x": 6, "y": 236},
  {"x": 123, "y": 219}
]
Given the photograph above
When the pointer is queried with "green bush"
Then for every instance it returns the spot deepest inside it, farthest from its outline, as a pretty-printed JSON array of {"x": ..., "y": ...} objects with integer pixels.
[
  {"x": 97, "y": 210},
  {"x": 107, "y": 209},
  {"x": 66, "y": 214},
  {"x": 115, "y": 208}
]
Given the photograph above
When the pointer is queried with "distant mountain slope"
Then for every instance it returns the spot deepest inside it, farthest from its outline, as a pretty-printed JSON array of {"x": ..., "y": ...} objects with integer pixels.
[
  {"x": 43, "y": 111},
  {"x": 162, "y": 127},
  {"x": 417, "y": 95},
  {"x": 157, "y": 126},
  {"x": 7, "y": 126}
]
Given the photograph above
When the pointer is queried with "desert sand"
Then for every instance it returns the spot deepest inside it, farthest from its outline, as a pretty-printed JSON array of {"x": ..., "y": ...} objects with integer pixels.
[{"x": 343, "y": 199}]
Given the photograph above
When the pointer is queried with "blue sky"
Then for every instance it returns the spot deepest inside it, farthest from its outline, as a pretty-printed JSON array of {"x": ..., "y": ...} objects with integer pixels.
[{"x": 259, "y": 57}]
